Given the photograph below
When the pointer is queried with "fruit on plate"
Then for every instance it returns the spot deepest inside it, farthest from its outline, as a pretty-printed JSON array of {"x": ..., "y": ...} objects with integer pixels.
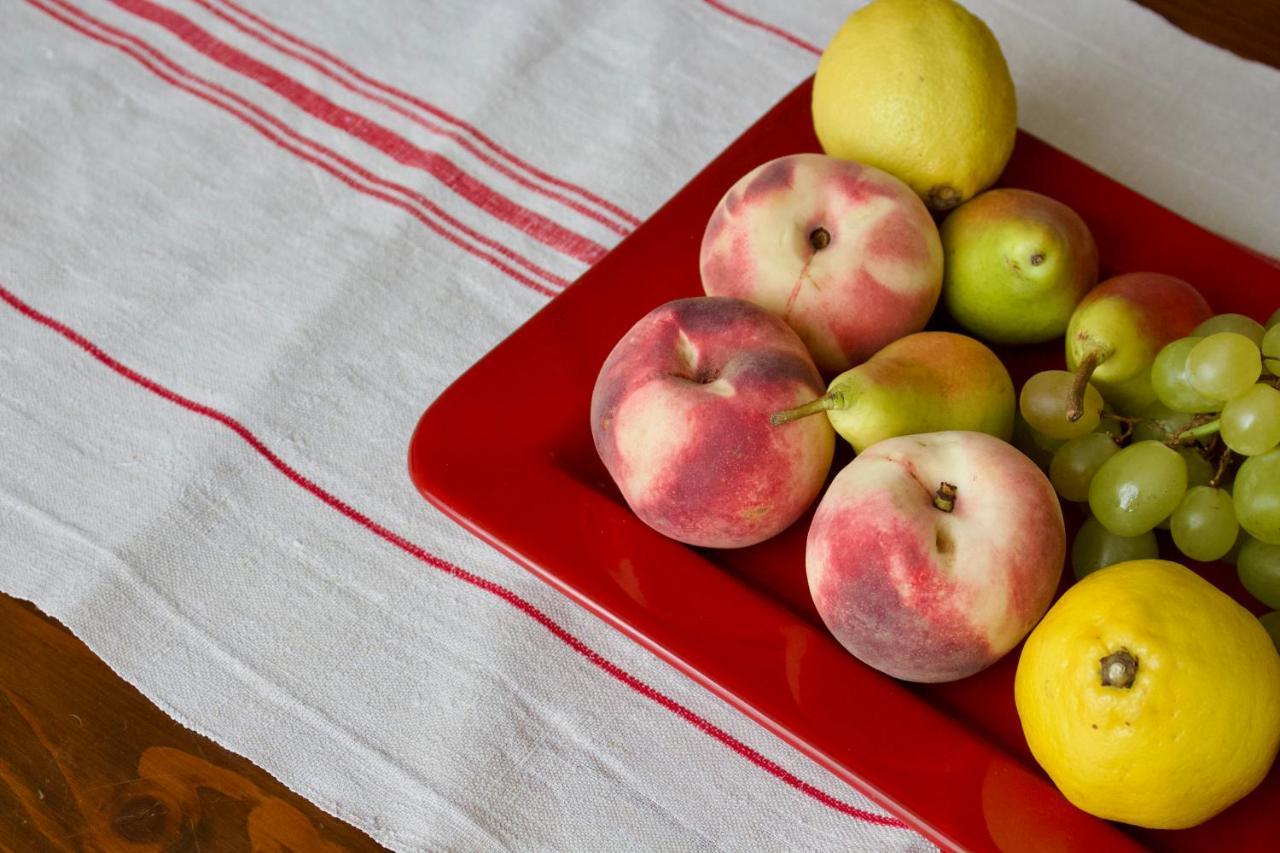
[
  {"x": 1171, "y": 383},
  {"x": 680, "y": 417},
  {"x": 1095, "y": 547},
  {"x": 1119, "y": 327},
  {"x": 845, "y": 253},
  {"x": 1045, "y": 398},
  {"x": 920, "y": 89},
  {"x": 1149, "y": 696},
  {"x": 1073, "y": 465},
  {"x": 1202, "y": 461},
  {"x": 1137, "y": 488},
  {"x": 1257, "y": 496},
  {"x": 1238, "y": 323},
  {"x": 1270, "y": 346},
  {"x": 1204, "y": 525},
  {"x": 926, "y": 382},
  {"x": 1258, "y": 564},
  {"x": 932, "y": 555},
  {"x": 1016, "y": 263},
  {"x": 1271, "y": 621}
]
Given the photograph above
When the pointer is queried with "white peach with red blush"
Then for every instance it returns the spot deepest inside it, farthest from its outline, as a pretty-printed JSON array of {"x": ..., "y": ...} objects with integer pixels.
[
  {"x": 680, "y": 417},
  {"x": 845, "y": 253},
  {"x": 932, "y": 582}
]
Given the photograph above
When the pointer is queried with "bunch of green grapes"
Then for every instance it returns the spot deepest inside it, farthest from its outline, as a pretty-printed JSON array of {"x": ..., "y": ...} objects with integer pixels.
[{"x": 1203, "y": 463}]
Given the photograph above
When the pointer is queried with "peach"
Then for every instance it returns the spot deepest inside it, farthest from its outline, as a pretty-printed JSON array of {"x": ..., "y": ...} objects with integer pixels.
[
  {"x": 680, "y": 417},
  {"x": 927, "y": 583},
  {"x": 845, "y": 253}
]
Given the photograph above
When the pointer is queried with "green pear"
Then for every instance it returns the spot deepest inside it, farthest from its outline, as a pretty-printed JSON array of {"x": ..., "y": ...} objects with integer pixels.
[
  {"x": 926, "y": 382},
  {"x": 1119, "y": 328},
  {"x": 1016, "y": 263}
]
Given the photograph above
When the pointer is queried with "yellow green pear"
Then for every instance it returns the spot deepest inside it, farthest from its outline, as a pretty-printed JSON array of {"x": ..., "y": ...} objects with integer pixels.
[
  {"x": 1016, "y": 265},
  {"x": 926, "y": 382},
  {"x": 920, "y": 89},
  {"x": 1118, "y": 329}
]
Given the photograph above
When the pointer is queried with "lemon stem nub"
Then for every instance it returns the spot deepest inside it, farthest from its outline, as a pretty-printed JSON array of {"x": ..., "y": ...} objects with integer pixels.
[
  {"x": 1119, "y": 669},
  {"x": 945, "y": 498}
]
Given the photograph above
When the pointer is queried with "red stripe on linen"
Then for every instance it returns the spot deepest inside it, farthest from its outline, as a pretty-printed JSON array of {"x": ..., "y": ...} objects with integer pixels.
[
  {"x": 762, "y": 25},
  {"x": 454, "y": 136},
  {"x": 431, "y": 109},
  {"x": 136, "y": 48},
  {"x": 385, "y": 140},
  {"x": 419, "y": 553}
]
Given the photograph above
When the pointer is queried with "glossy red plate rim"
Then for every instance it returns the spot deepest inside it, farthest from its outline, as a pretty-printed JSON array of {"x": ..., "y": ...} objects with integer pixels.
[{"x": 506, "y": 452}]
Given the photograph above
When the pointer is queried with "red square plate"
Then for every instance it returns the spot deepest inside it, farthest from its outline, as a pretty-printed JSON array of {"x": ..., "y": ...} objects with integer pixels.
[{"x": 507, "y": 452}]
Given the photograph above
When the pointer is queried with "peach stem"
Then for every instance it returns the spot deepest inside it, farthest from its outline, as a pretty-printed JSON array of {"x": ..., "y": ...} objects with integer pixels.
[
  {"x": 945, "y": 498},
  {"x": 825, "y": 403},
  {"x": 1075, "y": 405}
]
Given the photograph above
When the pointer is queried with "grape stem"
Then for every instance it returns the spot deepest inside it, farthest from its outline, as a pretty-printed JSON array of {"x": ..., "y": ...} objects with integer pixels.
[
  {"x": 1199, "y": 427},
  {"x": 1128, "y": 425},
  {"x": 1079, "y": 385},
  {"x": 1224, "y": 462}
]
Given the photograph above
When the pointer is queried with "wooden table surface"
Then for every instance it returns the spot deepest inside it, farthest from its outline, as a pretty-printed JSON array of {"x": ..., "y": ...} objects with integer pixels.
[{"x": 87, "y": 763}]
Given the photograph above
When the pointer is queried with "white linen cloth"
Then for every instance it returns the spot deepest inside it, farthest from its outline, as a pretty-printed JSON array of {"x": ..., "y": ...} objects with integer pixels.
[{"x": 156, "y": 197}]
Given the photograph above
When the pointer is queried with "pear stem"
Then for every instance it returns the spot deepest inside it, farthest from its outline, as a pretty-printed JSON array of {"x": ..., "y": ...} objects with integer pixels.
[
  {"x": 1119, "y": 669},
  {"x": 945, "y": 498},
  {"x": 1088, "y": 364},
  {"x": 825, "y": 403}
]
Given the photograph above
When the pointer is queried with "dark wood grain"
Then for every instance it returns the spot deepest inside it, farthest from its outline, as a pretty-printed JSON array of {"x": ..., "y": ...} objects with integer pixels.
[
  {"x": 1248, "y": 28},
  {"x": 87, "y": 763}
]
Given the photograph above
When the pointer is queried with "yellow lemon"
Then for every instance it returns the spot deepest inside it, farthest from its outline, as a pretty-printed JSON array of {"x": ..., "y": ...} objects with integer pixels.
[
  {"x": 920, "y": 89},
  {"x": 1150, "y": 697}
]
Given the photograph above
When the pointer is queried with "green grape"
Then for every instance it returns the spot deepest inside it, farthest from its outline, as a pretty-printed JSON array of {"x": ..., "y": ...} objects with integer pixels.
[
  {"x": 1169, "y": 379},
  {"x": 1111, "y": 427},
  {"x": 1257, "y": 496},
  {"x": 1159, "y": 422},
  {"x": 1232, "y": 555},
  {"x": 1238, "y": 323},
  {"x": 1259, "y": 567},
  {"x": 1095, "y": 548},
  {"x": 1046, "y": 443},
  {"x": 1271, "y": 621},
  {"x": 1204, "y": 525},
  {"x": 1251, "y": 422},
  {"x": 1136, "y": 488},
  {"x": 1075, "y": 463},
  {"x": 1271, "y": 350},
  {"x": 1043, "y": 402},
  {"x": 1199, "y": 473},
  {"x": 1199, "y": 470},
  {"x": 1273, "y": 320},
  {"x": 1224, "y": 365},
  {"x": 1028, "y": 441}
]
